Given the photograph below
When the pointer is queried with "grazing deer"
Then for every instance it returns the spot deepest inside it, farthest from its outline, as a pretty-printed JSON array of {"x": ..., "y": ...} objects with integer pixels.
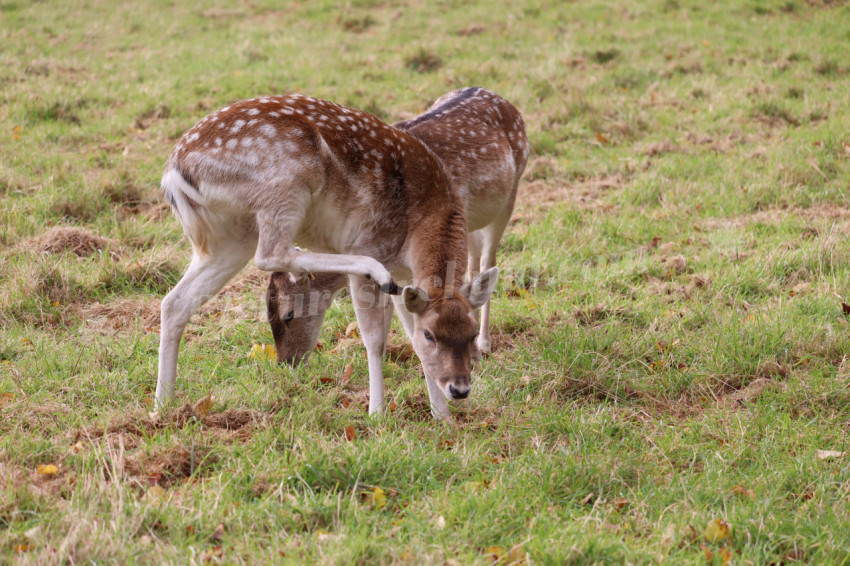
[
  {"x": 480, "y": 139},
  {"x": 369, "y": 200}
]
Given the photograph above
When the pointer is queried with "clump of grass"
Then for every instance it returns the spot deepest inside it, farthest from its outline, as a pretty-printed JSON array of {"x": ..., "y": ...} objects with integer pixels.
[
  {"x": 423, "y": 61},
  {"x": 603, "y": 56},
  {"x": 356, "y": 24},
  {"x": 774, "y": 110}
]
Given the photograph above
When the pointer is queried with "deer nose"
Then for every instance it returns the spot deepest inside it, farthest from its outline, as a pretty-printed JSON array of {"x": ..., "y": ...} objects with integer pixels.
[{"x": 458, "y": 392}]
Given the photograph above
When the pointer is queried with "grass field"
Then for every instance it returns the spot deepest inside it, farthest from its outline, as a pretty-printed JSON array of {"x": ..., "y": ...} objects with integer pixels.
[{"x": 671, "y": 327}]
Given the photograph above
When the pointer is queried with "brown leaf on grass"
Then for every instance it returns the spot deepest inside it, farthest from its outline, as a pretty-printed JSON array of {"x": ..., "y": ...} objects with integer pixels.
[
  {"x": 845, "y": 308},
  {"x": 828, "y": 454},
  {"x": 346, "y": 375},
  {"x": 21, "y": 548},
  {"x": 350, "y": 433},
  {"x": 215, "y": 553},
  {"x": 471, "y": 30},
  {"x": 795, "y": 555},
  {"x": 742, "y": 492},
  {"x": 601, "y": 138},
  {"x": 6, "y": 398},
  {"x": 620, "y": 502},
  {"x": 588, "y": 499},
  {"x": 218, "y": 533}
]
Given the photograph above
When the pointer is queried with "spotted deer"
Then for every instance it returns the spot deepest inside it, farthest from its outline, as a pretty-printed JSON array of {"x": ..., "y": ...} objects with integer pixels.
[
  {"x": 259, "y": 176},
  {"x": 480, "y": 139}
]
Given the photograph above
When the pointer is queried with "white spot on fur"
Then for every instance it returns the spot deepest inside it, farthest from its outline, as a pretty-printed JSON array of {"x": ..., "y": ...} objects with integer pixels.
[
  {"x": 231, "y": 143},
  {"x": 253, "y": 111},
  {"x": 217, "y": 141}
]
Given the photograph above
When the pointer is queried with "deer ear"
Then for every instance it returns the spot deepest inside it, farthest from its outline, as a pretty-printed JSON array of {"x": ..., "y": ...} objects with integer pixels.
[
  {"x": 415, "y": 299},
  {"x": 478, "y": 290}
]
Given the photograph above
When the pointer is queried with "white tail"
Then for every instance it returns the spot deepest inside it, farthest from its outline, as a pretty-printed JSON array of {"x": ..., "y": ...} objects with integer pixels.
[
  {"x": 256, "y": 177},
  {"x": 480, "y": 139}
]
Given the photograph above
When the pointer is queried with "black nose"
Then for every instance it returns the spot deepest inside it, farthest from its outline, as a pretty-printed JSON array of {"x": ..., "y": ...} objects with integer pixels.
[{"x": 458, "y": 393}]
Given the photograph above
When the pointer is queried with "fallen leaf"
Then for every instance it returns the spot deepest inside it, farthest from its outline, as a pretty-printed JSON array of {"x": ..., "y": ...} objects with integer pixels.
[
  {"x": 829, "y": 454},
  {"x": 376, "y": 498},
  {"x": 473, "y": 487},
  {"x": 620, "y": 502},
  {"x": 21, "y": 548},
  {"x": 393, "y": 406},
  {"x": 203, "y": 406},
  {"x": 260, "y": 352},
  {"x": 6, "y": 398},
  {"x": 218, "y": 533},
  {"x": 588, "y": 499},
  {"x": 717, "y": 530},
  {"x": 725, "y": 554},
  {"x": 190, "y": 530},
  {"x": 845, "y": 308},
  {"x": 215, "y": 553},
  {"x": 47, "y": 469},
  {"x": 346, "y": 374},
  {"x": 601, "y": 138},
  {"x": 440, "y": 522},
  {"x": 495, "y": 553},
  {"x": 352, "y": 330},
  {"x": 350, "y": 433},
  {"x": 742, "y": 492},
  {"x": 326, "y": 379},
  {"x": 792, "y": 556}
]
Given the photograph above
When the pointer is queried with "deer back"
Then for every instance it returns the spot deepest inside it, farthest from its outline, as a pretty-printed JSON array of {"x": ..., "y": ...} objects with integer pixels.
[{"x": 480, "y": 139}]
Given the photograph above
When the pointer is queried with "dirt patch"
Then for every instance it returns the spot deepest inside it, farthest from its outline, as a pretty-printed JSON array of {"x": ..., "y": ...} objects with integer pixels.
[
  {"x": 21, "y": 480},
  {"x": 542, "y": 194},
  {"x": 167, "y": 466},
  {"x": 78, "y": 241},
  {"x": 591, "y": 316},
  {"x": 774, "y": 216},
  {"x": 122, "y": 315},
  {"x": 752, "y": 391},
  {"x": 228, "y": 425}
]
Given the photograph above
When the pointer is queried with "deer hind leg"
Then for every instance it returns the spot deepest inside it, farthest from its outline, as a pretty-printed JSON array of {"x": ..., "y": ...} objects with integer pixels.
[
  {"x": 276, "y": 252},
  {"x": 374, "y": 313},
  {"x": 491, "y": 235},
  {"x": 205, "y": 276}
]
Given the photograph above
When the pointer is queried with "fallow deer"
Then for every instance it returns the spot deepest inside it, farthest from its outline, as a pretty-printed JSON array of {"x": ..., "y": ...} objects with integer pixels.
[
  {"x": 480, "y": 139},
  {"x": 368, "y": 200}
]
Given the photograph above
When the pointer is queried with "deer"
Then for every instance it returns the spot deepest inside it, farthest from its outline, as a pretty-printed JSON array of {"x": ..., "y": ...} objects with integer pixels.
[
  {"x": 259, "y": 176},
  {"x": 480, "y": 139}
]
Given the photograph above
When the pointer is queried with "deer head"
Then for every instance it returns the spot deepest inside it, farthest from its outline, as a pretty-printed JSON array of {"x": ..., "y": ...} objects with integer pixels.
[
  {"x": 444, "y": 331},
  {"x": 296, "y": 304}
]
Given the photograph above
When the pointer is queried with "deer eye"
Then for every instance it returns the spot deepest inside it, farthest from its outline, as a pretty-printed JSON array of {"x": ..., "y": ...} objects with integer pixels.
[
  {"x": 289, "y": 316},
  {"x": 428, "y": 336}
]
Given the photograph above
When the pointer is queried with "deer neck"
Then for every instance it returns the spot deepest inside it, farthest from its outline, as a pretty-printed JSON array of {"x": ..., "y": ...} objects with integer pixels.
[{"x": 438, "y": 252}]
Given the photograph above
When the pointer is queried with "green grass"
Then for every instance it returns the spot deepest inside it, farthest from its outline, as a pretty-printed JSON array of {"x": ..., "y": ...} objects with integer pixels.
[{"x": 670, "y": 343}]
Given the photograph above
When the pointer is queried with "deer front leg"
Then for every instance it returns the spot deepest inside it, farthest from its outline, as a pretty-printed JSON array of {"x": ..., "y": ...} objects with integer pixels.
[
  {"x": 439, "y": 407},
  {"x": 374, "y": 313}
]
